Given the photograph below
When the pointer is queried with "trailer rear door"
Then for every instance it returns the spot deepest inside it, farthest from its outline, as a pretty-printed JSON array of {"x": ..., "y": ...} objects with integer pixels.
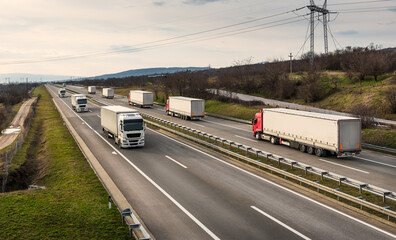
[{"x": 349, "y": 133}]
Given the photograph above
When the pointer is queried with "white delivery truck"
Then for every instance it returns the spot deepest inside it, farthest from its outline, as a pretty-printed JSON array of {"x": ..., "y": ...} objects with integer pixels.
[
  {"x": 185, "y": 107},
  {"x": 140, "y": 98},
  {"x": 315, "y": 133},
  {"x": 91, "y": 89},
  {"x": 108, "y": 93},
  {"x": 123, "y": 124},
  {"x": 62, "y": 92},
  {"x": 79, "y": 103}
]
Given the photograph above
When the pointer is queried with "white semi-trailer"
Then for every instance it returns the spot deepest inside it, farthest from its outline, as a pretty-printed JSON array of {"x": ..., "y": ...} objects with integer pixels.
[
  {"x": 123, "y": 124},
  {"x": 62, "y": 92},
  {"x": 108, "y": 93},
  {"x": 79, "y": 103},
  {"x": 315, "y": 133},
  {"x": 140, "y": 98},
  {"x": 185, "y": 107},
  {"x": 91, "y": 89}
]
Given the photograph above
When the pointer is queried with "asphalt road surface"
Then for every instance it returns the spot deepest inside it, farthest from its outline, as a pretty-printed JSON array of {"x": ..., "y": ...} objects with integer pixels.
[
  {"x": 181, "y": 192},
  {"x": 369, "y": 167}
]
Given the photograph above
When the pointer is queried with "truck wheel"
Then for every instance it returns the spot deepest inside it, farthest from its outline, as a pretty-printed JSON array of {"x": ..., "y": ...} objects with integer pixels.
[
  {"x": 302, "y": 148},
  {"x": 310, "y": 150},
  {"x": 319, "y": 152},
  {"x": 258, "y": 135},
  {"x": 274, "y": 140}
]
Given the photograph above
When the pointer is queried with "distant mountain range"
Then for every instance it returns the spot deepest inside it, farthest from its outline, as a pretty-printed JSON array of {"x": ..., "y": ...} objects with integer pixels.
[
  {"x": 149, "y": 71},
  {"x": 21, "y": 77}
]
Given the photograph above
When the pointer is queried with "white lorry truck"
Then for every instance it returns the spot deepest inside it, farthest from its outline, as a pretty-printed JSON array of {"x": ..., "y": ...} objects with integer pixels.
[
  {"x": 185, "y": 107},
  {"x": 91, "y": 89},
  {"x": 62, "y": 92},
  {"x": 79, "y": 103},
  {"x": 123, "y": 124},
  {"x": 315, "y": 133},
  {"x": 108, "y": 93},
  {"x": 140, "y": 98}
]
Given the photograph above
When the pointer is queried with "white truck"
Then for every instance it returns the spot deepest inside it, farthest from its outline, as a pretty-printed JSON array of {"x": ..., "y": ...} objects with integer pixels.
[
  {"x": 108, "y": 93},
  {"x": 91, "y": 89},
  {"x": 62, "y": 92},
  {"x": 140, "y": 98},
  {"x": 79, "y": 103},
  {"x": 314, "y": 133},
  {"x": 185, "y": 107},
  {"x": 123, "y": 124}
]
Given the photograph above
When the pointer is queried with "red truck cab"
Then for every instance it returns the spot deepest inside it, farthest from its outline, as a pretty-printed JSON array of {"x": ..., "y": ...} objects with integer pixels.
[{"x": 257, "y": 124}]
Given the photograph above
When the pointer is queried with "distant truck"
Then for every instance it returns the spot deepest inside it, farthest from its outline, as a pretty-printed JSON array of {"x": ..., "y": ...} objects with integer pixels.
[
  {"x": 79, "y": 103},
  {"x": 140, "y": 98},
  {"x": 91, "y": 89},
  {"x": 314, "y": 133},
  {"x": 108, "y": 93},
  {"x": 123, "y": 124},
  {"x": 185, "y": 108},
  {"x": 62, "y": 92},
  {"x": 63, "y": 84}
]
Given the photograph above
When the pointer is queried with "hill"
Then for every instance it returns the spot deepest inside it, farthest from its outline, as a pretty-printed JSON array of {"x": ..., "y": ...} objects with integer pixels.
[{"x": 148, "y": 71}]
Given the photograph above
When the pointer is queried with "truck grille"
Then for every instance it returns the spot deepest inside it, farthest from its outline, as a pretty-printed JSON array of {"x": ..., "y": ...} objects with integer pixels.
[{"x": 133, "y": 135}]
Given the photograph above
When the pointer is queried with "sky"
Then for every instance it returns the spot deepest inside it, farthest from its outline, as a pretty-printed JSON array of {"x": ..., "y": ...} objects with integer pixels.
[{"x": 93, "y": 37}]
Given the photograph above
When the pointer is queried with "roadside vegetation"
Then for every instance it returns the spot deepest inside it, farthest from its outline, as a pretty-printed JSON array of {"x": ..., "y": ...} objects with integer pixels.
[
  {"x": 73, "y": 205},
  {"x": 357, "y": 80}
]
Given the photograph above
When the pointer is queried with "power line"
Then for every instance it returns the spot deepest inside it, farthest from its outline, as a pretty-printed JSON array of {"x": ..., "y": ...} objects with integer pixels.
[{"x": 361, "y": 2}]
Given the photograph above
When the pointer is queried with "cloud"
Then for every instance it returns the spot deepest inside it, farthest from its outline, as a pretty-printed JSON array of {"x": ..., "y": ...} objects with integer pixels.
[
  {"x": 159, "y": 4},
  {"x": 201, "y": 2},
  {"x": 348, "y": 32}
]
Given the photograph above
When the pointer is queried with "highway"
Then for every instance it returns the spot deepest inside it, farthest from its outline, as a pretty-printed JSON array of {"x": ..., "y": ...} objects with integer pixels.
[
  {"x": 181, "y": 192},
  {"x": 369, "y": 167}
]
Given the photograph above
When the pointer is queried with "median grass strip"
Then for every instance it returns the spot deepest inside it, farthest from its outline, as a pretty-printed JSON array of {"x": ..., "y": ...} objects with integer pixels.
[
  {"x": 74, "y": 204},
  {"x": 352, "y": 191}
]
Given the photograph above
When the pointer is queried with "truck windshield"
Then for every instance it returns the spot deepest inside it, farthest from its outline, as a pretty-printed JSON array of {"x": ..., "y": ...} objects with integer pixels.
[
  {"x": 133, "y": 124},
  {"x": 82, "y": 101},
  {"x": 63, "y": 92}
]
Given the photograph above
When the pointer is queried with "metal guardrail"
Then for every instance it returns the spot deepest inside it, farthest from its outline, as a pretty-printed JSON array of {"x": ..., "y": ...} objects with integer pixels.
[
  {"x": 136, "y": 225},
  {"x": 385, "y": 194},
  {"x": 379, "y": 148}
]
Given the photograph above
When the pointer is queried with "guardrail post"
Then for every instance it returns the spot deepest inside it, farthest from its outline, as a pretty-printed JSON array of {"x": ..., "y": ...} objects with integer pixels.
[
  {"x": 323, "y": 173},
  {"x": 231, "y": 144},
  {"x": 318, "y": 188},
  {"x": 268, "y": 156},
  {"x": 279, "y": 160},
  {"x": 306, "y": 169},
  {"x": 257, "y": 152},
  {"x": 133, "y": 226},
  {"x": 388, "y": 207},
  {"x": 338, "y": 197},
  {"x": 300, "y": 181},
  {"x": 340, "y": 181},
  {"x": 124, "y": 213},
  {"x": 222, "y": 142},
  {"x": 362, "y": 186},
  {"x": 384, "y": 196},
  {"x": 247, "y": 151},
  {"x": 292, "y": 164},
  {"x": 361, "y": 206}
]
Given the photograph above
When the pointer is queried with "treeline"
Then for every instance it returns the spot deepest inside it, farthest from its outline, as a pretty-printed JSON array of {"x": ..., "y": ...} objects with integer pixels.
[{"x": 272, "y": 80}]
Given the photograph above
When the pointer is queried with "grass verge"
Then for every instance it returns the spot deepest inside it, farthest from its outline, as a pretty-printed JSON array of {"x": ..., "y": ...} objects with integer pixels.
[{"x": 74, "y": 204}]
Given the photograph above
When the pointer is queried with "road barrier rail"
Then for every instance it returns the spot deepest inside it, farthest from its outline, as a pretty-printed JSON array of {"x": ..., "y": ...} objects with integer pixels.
[{"x": 218, "y": 144}]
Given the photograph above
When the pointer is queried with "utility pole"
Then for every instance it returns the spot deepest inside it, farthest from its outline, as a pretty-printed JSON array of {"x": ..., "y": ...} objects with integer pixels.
[
  {"x": 291, "y": 65},
  {"x": 321, "y": 10}
]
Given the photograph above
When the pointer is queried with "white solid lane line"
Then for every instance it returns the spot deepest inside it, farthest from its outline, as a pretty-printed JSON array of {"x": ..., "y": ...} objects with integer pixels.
[
  {"x": 280, "y": 223},
  {"x": 192, "y": 217},
  {"x": 225, "y": 125},
  {"x": 344, "y": 166},
  {"x": 245, "y": 138},
  {"x": 175, "y": 161},
  {"x": 199, "y": 125},
  {"x": 369, "y": 160},
  {"x": 98, "y": 116}
]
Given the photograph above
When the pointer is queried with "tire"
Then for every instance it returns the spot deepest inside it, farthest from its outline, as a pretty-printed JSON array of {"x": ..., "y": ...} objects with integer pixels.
[
  {"x": 319, "y": 152},
  {"x": 274, "y": 140},
  {"x": 258, "y": 135},
  {"x": 302, "y": 148},
  {"x": 310, "y": 150}
]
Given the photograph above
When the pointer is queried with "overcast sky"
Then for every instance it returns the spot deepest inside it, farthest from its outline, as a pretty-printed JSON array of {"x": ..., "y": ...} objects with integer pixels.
[{"x": 111, "y": 36}]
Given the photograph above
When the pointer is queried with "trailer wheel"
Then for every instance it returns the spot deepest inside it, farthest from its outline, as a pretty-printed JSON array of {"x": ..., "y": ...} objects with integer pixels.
[
  {"x": 310, "y": 150},
  {"x": 302, "y": 148},
  {"x": 274, "y": 140},
  {"x": 319, "y": 152}
]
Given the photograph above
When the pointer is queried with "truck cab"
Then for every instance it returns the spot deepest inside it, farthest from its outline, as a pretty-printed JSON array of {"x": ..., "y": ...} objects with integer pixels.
[
  {"x": 257, "y": 126},
  {"x": 130, "y": 130},
  {"x": 62, "y": 92},
  {"x": 80, "y": 103}
]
